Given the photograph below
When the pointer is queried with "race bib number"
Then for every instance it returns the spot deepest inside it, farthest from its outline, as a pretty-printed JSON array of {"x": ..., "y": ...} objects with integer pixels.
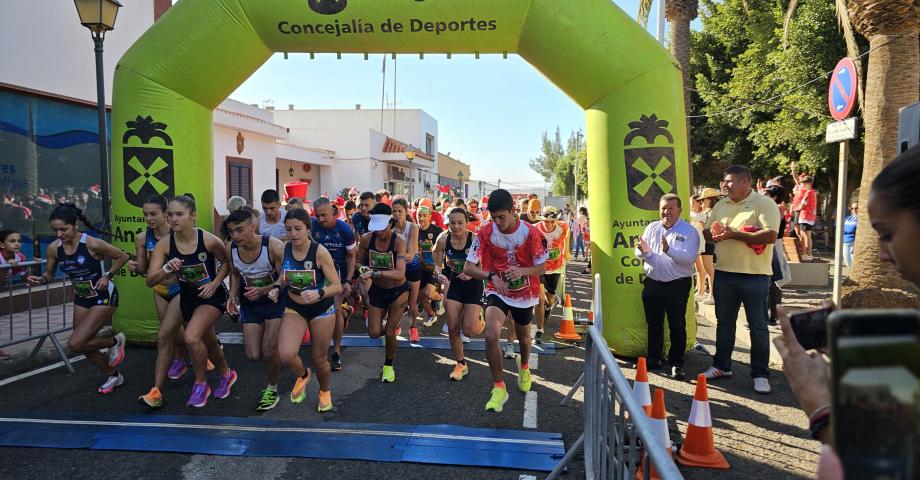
[
  {"x": 425, "y": 248},
  {"x": 457, "y": 264},
  {"x": 554, "y": 253},
  {"x": 382, "y": 260},
  {"x": 259, "y": 282},
  {"x": 518, "y": 284},
  {"x": 85, "y": 289},
  {"x": 300, "y": 280},
  {"x": 193, "y": 273}
]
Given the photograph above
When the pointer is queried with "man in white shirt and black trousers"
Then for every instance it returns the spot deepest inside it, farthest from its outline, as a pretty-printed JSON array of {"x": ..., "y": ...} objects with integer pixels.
[{"x": 668, "y": 249}]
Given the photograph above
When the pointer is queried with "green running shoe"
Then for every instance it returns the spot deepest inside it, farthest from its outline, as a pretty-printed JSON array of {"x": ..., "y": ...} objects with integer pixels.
[
  {"x": 269, "y": 400},
  {"x": 498, "y": 400},
  {"x": 523, "y": 376},
  {"x": 387, "y": 374}
]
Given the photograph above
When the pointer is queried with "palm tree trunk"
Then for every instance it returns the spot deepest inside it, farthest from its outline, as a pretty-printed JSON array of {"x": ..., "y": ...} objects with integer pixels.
[
  {"x": 679, "y": 22},
  {"x": 892, "y": 82}
]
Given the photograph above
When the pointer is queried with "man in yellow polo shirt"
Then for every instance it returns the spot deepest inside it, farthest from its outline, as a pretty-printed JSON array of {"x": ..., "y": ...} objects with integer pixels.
[{"x": 744, "y": 227}]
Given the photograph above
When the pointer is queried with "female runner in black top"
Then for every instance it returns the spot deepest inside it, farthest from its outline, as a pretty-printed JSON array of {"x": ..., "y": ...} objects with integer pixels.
[
  {"x": 95, "y": 296},
  {"x": 202, "y": 296},
  {"x": 464, "y": 293}
]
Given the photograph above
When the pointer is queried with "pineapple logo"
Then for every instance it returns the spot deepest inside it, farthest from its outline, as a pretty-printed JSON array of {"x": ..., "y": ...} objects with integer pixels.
[
  {"x": 327, "y": 7},
  {"x": 650, "y": 169},
  {"x": 148, "y": 168}
]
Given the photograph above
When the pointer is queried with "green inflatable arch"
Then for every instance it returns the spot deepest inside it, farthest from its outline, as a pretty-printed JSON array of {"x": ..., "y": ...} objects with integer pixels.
[{"x": 168, "y": 83}]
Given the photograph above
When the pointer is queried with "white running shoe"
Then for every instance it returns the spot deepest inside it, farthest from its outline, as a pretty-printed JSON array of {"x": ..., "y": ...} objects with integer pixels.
[
  {"x": 444, "y": 329},
  {"x": 509, "y": 351},
  {"x": 762, "y": 385},
  {"x": 464, "y": 338},
  {"x": 431, "y": 320},
  {"x": 117, "y": 352},
  {"x": 112, "y": 383}
]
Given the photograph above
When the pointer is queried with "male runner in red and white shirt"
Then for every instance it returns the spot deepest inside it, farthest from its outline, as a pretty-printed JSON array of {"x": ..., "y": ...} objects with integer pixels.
[{"x": 511, "y": 255}]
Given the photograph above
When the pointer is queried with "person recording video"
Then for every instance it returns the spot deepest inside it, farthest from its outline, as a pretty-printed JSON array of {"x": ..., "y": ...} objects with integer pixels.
[{"x": 894, "y": 213}]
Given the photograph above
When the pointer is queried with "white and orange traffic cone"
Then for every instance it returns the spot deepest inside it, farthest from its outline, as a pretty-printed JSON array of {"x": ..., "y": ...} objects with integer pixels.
[
  {"x": 567, "y": 326},
  {"x": 699, "y": 449},
  {"x": 659, "y": 419},
  {"x": 640, "y": 387}
]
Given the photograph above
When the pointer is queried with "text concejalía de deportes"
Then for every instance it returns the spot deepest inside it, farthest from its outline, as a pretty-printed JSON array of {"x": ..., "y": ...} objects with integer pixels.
[{"x": 358, "y": 26}]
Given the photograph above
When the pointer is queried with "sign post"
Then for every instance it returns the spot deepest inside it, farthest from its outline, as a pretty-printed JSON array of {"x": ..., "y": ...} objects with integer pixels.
[{"x": 841, "y": 99}]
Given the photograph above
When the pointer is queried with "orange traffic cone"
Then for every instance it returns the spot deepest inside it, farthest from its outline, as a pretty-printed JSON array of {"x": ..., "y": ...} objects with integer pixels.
[
  {"x": 567, "y": 327},
  {"x": 698, "y": 449},
  {"x": 659, "y": 418},
  {"x": 640, "y": 387},
  {"x": 306, "y": 337}
]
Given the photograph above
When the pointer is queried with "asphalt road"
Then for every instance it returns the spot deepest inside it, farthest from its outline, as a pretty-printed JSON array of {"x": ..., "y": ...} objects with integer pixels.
[{"x": 763, "y": 437}]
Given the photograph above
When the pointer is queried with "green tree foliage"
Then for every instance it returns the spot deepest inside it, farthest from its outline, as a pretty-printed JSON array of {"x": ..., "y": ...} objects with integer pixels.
[
  {"x": 766, "y": 105},
  {"x": 557, "y": 163}
]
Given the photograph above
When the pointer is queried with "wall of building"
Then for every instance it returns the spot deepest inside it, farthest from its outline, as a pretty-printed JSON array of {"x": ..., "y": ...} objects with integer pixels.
[{"x": 40, "y": 39}]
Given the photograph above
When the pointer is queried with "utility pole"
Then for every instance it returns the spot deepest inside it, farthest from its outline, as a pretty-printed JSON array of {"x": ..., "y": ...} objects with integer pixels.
[{"x": 577, "y": 151}]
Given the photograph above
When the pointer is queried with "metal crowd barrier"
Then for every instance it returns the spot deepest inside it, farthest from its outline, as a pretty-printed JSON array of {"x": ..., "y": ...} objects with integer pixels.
[
  {"x": 614, "y": 422},
  {"x": 31, "y": 322}
]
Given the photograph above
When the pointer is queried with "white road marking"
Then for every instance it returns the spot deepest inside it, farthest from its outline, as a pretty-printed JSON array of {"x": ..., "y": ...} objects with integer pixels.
[
  {"x": 530, "y": 410},
  {"x": 39, "y": 370},
  {"x": 534, "y": 362},
  {"x": 247, "y": 428},
  {"x": 527, "y": 477}
]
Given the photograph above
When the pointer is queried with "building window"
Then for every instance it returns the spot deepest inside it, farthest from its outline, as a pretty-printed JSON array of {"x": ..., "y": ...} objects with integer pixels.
[
  {"x": 239, "y": 178},
  {"x": 429, "y": 144}
]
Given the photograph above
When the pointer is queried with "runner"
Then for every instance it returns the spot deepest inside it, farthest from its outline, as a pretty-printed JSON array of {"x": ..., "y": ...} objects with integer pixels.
[
  {"x": 253, "y": 260},
  {"x": 464, "y": 296},
  {"x": 166, "y": 300},
  {"x": 339, "y": 239},
  {"x": 513, "y": 256},
  {"x": 427, "y": 237},
  {"x": 477, "y": 220},
  {"x": 363, "y": 216},
  {"x": 410, "y": 234},
  {"x": 384, "y": 252},
  {"x": 202, "y": 295},
  {"x": 271, "y": 221},
  {"x": 95, "y": 296},
  {"x": 557, "y": 240},
  {"x": 311, "y": 283}
]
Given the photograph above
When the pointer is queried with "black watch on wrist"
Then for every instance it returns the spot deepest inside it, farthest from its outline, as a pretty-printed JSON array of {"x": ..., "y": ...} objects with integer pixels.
[
  {"x": 322, "y": 293},
  {"x": 491, "y": 274}
]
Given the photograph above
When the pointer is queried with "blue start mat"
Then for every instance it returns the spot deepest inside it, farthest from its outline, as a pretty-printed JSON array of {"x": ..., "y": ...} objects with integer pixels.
[
  {"x": 433, "y": 343},
  {"x": 259, "y": 437}
]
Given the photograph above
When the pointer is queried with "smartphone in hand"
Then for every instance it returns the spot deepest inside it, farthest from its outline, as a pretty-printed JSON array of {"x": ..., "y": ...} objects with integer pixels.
[
  {"x": 875, "y": 392},
  {"x": 810, "y": 327}
]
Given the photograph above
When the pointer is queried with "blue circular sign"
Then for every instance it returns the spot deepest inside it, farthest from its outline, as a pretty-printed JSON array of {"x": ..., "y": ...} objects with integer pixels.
[{"x": 841, "y": 94}]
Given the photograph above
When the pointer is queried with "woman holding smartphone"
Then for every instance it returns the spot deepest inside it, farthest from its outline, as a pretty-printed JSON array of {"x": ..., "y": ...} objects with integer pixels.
[{"x": 894, "y": 213}]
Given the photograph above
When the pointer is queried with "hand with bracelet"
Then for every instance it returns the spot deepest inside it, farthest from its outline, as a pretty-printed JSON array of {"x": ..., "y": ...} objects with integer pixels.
[{"x": 807, "y": 376}]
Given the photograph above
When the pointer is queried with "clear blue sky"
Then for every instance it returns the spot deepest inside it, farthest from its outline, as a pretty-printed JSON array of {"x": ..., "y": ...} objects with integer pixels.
[{"x": 490, "y": 112}]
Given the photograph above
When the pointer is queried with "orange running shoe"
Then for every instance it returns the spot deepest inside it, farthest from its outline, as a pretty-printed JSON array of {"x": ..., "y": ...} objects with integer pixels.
[
  {"x": 153, "y": 399},
  {"x": 325, "y": 401}
]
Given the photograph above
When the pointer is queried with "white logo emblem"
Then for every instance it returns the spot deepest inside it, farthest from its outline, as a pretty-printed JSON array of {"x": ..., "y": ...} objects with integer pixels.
[{"x": 202, "y": 256}]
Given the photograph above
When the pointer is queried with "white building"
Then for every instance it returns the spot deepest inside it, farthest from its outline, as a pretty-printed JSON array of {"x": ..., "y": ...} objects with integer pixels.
[
  {"x": 252, "y": 154},
  {"x": 368, "y": 157}
]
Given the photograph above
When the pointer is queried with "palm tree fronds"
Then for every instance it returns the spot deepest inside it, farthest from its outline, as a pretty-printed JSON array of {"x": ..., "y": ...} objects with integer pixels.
[
  {"x": 843, "y": 19},
  {"x": 789, "y": 11},
  {"x": 645, "y": 9}
]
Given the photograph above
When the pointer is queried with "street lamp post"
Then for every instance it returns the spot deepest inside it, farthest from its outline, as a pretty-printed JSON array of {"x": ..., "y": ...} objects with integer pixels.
[
  {"x": 99, "y": 17},
  {"x": 460, "y": 177},
  {"x": 410, "y": 155}
]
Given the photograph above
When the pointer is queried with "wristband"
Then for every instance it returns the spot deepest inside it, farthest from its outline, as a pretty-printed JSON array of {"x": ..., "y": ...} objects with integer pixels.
[
  {"x": 818, "y": 421},
  {"x": 167, "y": 268},
  {"x": 321, "y": 292}
]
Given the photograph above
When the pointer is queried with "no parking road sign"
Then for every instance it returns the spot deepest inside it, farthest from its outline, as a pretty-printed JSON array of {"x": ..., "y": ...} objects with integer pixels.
[{"x": 841, "y": 94}]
